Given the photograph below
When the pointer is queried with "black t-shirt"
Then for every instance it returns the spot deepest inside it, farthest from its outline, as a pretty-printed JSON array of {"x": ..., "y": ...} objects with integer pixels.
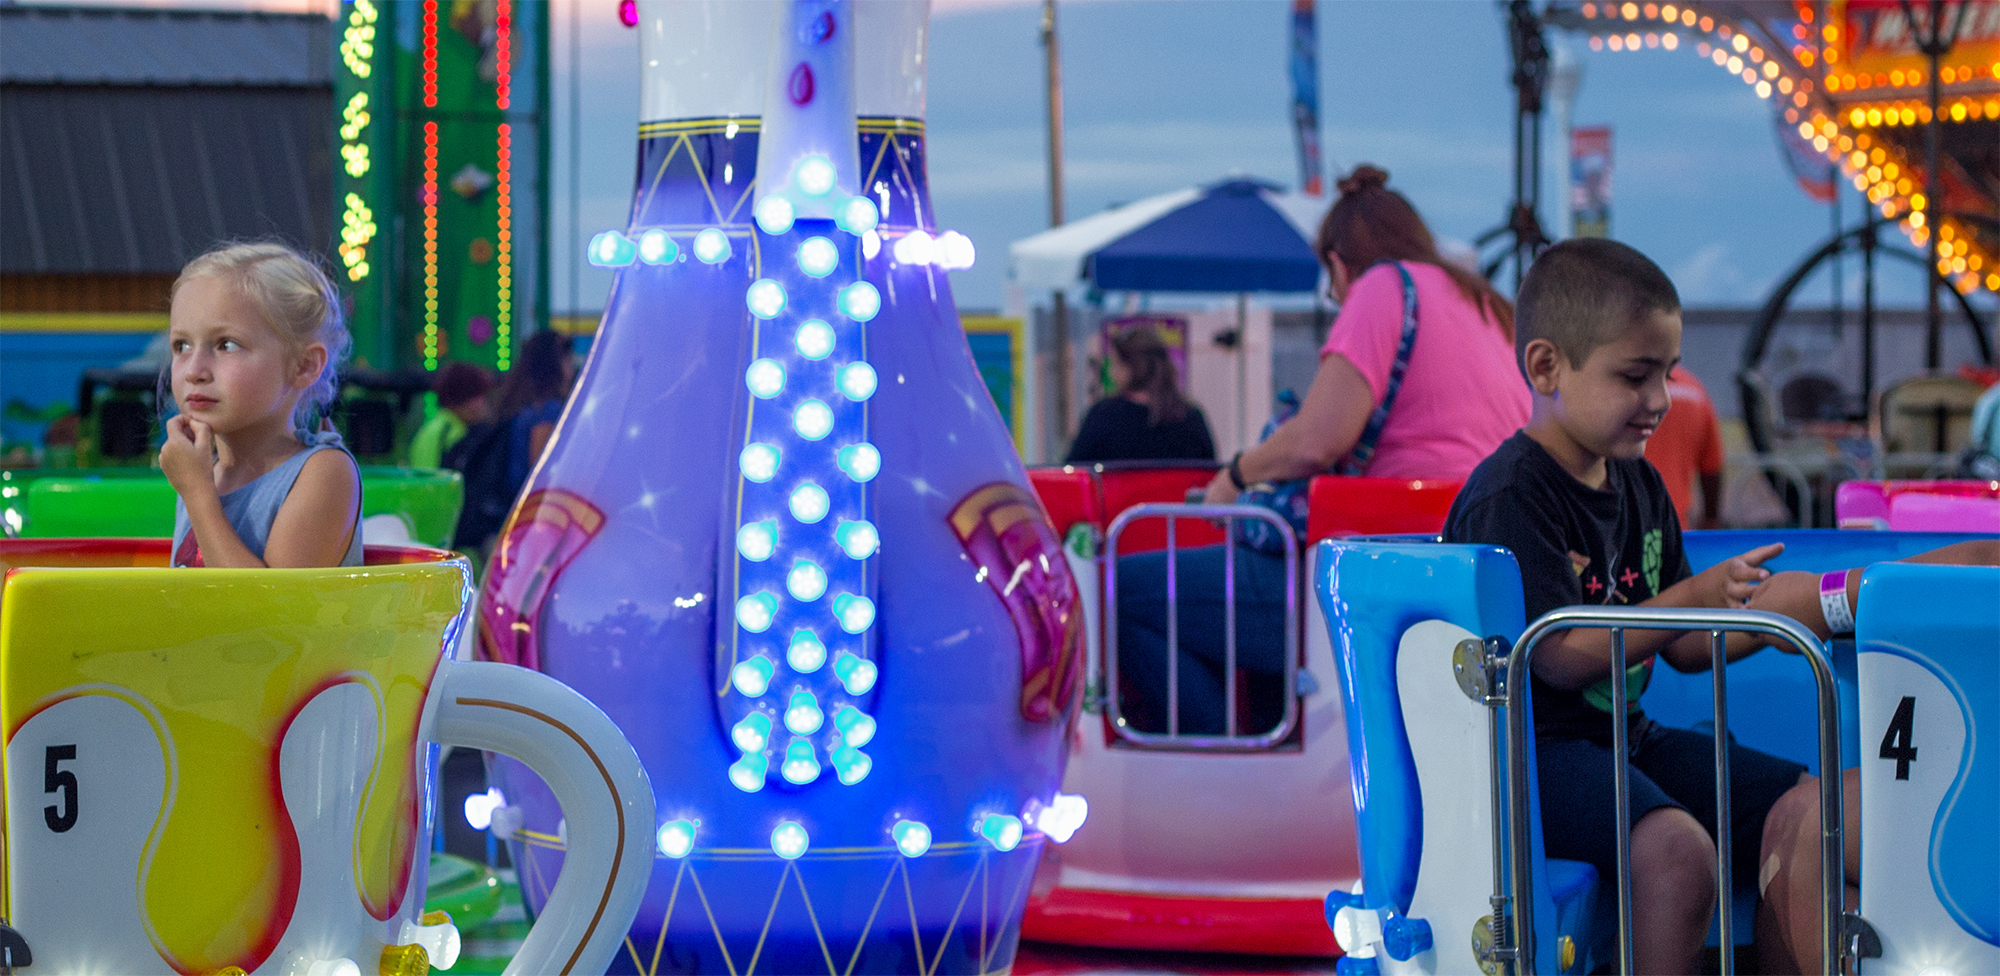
[
  {"x": 1117, "y": 429},
  {"x": 1617, "y": 545}
]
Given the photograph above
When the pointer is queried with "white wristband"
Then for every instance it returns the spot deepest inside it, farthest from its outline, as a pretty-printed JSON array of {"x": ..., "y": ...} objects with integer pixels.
[{"x": 1833, "y": 602}]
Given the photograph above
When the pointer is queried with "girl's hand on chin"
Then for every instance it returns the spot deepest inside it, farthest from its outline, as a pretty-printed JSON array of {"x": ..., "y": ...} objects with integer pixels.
[{"x": 188, "y": 456}]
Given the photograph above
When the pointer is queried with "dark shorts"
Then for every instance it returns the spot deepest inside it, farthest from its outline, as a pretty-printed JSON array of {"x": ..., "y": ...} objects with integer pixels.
[{"x": 1670, "y": 768}]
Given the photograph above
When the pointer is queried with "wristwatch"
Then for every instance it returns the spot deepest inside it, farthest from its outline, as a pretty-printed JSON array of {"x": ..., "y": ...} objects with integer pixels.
[{"x": 1236, "y": 472}]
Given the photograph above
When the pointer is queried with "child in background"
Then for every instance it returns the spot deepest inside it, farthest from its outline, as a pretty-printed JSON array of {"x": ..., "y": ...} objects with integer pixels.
[
  {"x": 255, "y": 331},
  {"x": 1590, "y": 522},
  {"x": 461, "y": 392}
]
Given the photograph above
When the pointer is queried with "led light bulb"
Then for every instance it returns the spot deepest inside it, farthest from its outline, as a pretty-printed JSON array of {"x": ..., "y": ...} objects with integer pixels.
[
  {"x": 954, "y": 251},
  {"x": 807, "y": 652},
  {"x": 775, "y": 214},
  {"x": 856, "y": 674},
  {"x": 803, "y": 715},
  {"x": 711, "y": 246},
  {"x": 857, "y": 381},
  {"x": 759, "y": 462},
  {"x": 655, "y": 247},
  {"x": 815, "y": 175},
  {"x": 788, "y": 840},
  {"x": 1059, "y": 818},
  {"x": 1001, "y": 830},
  {"x": 754, "y": 612},
  {"x": 860, "y": 301},
  {"x": 915, "y": 248},
  {"x": 912, "y": 838},
  {"x": 752, "y": 733},
  {"x": 747, "y": 774},
  {"x": 801, "y": 764},
  {"x": 809, "y": 503},
  {"x": 856, "y": 727},
  {"x": 857, "y": 215},
  {"x": 855, "y": 613},
  {"x": 756, "y": 541},
  {"x": 752, "y": 675},
  {"x": 862, "y": 462},
  {"x": 812, "y": 420},
  {"x": 857, "y": 538},
  {"x": 818, "y": 257},
  {"x": 871, "y": 245},
  {"x": 765, "y": 378},
  {"x": 806, "y": 582},
  {"x": 479, "y": 808},
  {"x": 675, "y": 838},
  {"x": 815, "y": 339},
  {"x": 766, "y": 298},
  {"x": 850, "y": 765},
  {"x": 611, "y": 249}
]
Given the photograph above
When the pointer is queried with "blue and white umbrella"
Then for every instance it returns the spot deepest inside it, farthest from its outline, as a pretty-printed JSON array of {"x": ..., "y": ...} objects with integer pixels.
[{"x": 1234, "y": 236}]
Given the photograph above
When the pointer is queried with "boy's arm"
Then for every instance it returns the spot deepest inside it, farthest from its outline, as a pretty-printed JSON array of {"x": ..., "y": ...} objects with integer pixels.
[
  {"x": 1795, "y": 594},
  {"x": 1579, "y": 658},
  {"x": 318, "y": 519}
]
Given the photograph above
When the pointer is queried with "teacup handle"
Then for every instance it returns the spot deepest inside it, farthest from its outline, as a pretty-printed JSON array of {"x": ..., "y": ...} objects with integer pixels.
[{"x": 606, "y": 800}]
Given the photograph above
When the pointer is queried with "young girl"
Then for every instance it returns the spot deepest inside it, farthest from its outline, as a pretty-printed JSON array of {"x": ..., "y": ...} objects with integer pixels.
[{"x": 255, "y": 331}]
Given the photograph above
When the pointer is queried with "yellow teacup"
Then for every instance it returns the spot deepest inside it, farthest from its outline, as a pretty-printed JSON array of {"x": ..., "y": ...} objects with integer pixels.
[{"x": 207, "y": 769}]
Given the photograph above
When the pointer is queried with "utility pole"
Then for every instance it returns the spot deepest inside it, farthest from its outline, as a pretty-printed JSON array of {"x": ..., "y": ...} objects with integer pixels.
[{"x": 1064, "y": 380}]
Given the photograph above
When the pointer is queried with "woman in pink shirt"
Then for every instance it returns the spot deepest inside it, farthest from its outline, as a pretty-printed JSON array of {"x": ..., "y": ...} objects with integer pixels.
[
  {"x": 1462, "y": 393},
  {"x": 1460, "y": 396}
]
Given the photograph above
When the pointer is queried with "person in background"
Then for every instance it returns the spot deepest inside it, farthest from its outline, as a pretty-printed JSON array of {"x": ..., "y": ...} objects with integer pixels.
[
  {"x": 461, "y": 390},
  {"x": 1687, "y": 447},
  {"x": 1148, "y": 418},
  {"x": 532, "y": 399}
]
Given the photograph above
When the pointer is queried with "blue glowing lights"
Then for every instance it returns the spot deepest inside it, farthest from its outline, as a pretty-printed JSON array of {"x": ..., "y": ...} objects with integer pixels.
[
  {"x": 759, "y": 462},
  {"x": 812, "y": 420},
  {"x": 711, "y": 246},
  {"x": 915, "y": 247},
  {"x": 756, "y": 541},
  {"x": 765, "y": 378},
  {"x": 655, "y": 247},
  {"x": 857, "y": 381},
  {"x": 855, "y": 613},
  {"x": 855, "y": 674},
  {"x": 752, "y": 676},
  {"x": 775, "y": 214},
  {"x": 860, "y": 301},
  {"x": 612, "y": 250},
  {"x": 753, "y": 733},
  {"x": 850, "y": 765},
  {"x": 857, "y": 538},
  {"x": 747, "y": 774},
  {"x": 801, "y": 764},
  {"x": 912, "y": 838},
  {"x": 788, "y": 840},
  {"x": 862, "y": 462},
  {"x": 809, "y": 503},
  {"x": 675, "y": 838},
  {"x": 803, "y": 715},
  {"x": 818, "y": 257},
  {"x": 1001, "y": 830},
  {"x": 856, "y": 727},
  {"x": 766, "y": 298},
  {"x": 815, "y": 339},
  {"x": 754, "y": 612},
  {"x": 807, "y": 652},
  {"x": 815, "y": 176},
  {"x": 857, "y": 215},
  {"x": 806, "y": 582}
]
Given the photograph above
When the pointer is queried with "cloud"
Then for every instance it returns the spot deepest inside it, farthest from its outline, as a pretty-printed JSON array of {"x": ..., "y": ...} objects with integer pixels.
[{"x": 1711, "y": 276}]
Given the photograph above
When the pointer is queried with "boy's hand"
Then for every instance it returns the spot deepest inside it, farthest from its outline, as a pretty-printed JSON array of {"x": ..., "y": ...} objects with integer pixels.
[
  {"x": 1731, "y": 583},
  {"x": 188, "y": 456}
]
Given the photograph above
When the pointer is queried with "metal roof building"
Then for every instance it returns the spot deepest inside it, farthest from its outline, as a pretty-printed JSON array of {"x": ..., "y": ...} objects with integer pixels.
[{"x": 134, "y": 139}]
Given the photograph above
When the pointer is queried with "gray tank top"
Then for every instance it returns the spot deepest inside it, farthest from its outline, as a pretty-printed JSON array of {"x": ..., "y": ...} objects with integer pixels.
[{"x": 252, "y": 508}]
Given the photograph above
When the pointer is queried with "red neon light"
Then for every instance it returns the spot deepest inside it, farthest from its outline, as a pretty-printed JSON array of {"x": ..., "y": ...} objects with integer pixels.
[
  {"x": 430, "y": 245},
  {"x": 504, "y": 320},
  {"x": 503, "y": 54},
  {"x": 430, "y": 53}
]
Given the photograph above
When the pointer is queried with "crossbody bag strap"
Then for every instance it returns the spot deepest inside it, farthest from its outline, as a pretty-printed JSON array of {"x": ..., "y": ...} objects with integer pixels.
[{"x": 1357, "y": 459}]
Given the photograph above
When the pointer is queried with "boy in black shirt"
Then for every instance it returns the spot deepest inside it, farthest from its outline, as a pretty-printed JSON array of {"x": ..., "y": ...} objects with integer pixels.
[{"x": 1589, "y": 522}]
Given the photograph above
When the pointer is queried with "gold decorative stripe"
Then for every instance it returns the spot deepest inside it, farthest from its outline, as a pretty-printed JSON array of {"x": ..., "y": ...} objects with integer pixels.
[
  {"x": 83, "y": 322},
  {"x": 750, "y": 123}
]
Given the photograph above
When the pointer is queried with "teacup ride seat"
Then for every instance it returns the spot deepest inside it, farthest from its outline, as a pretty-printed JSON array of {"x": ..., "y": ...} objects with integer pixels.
[
  {"x": 1958, "y": 505},
  {"x": 1205, "y": 843},
  {"x": 216, "y": 770}
]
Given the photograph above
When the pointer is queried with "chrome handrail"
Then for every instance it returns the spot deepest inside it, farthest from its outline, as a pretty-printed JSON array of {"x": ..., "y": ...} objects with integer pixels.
[
  {"x": 1716, "y": 622},
  {"x": 1172, "y": 739}
]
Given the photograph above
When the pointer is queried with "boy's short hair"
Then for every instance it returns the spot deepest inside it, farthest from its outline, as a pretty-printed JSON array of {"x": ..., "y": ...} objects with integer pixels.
[{"x": 1583, "y": 292}]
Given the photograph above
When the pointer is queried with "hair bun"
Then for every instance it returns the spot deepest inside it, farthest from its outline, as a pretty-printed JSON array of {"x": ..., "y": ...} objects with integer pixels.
[{"x": 1364, "y": 177}]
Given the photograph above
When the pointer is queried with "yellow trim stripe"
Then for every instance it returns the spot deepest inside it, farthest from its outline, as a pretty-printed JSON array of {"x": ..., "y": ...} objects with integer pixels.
[
  {"x": 870, "y": 123},
  {"x": 83, "y": 321}
]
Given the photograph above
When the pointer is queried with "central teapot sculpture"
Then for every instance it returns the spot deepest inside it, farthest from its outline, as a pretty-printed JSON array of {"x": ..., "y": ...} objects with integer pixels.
[{"x": 781, "y": 535}]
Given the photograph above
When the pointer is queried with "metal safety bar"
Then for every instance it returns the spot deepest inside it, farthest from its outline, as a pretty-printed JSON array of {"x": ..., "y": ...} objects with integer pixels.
[
  {"x": 1172, "y": 738},
  {"x": 1516, "y": 888}
]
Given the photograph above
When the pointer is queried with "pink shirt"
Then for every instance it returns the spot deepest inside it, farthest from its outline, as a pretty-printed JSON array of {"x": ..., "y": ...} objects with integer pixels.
[{"x": 1462, "y": 394}]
